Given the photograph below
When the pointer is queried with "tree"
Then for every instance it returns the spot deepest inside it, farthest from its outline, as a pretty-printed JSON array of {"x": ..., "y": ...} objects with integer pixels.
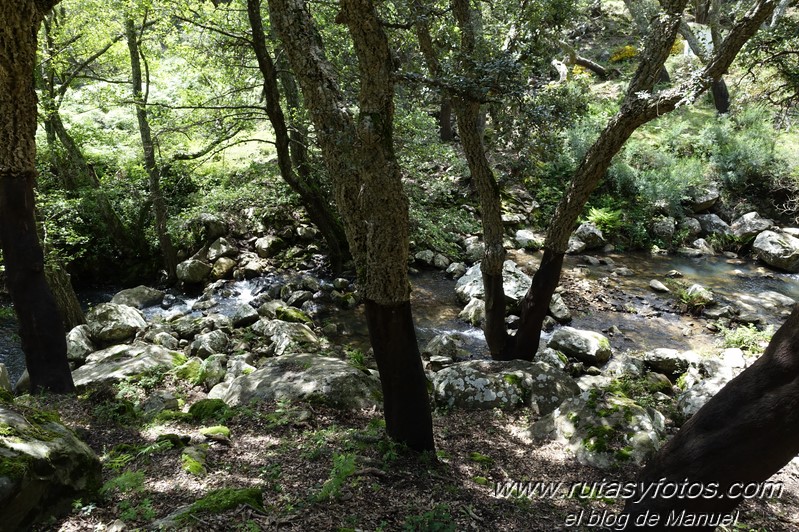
[
  {"x": 41, "y": 332},
  {"x": 639, "y": 106},
  {"x": 745, "y": 433},
  {"x": 359, "y": 155}
]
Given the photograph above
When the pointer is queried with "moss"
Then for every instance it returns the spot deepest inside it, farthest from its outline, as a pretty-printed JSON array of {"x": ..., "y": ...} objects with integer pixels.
[
  {"x": 218, "y": 430},
  {"x": 624, "y": 454},
  {"x": 192, "y": 461},
  {"x": 292, "y": 315},
  {"x": 14, "y": 467},
  {"x": 191, "y": 371},
  {"x": 512, "y": 379},
  {"x": 224, "y": 499},
  {"x": 6, "y": 397},
  {"x": 178, "y": 358},
  {"x": 597, "y": 438},
  {"x": 205, "y": 409}
]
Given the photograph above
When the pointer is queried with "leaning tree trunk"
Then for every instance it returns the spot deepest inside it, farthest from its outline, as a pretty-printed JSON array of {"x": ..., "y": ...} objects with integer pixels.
[
  {"x": 312, "y": 199},
  {"x": 638, "y": 108},
  {"x": 41, "y": 331},
  {"x": 67, "y": 301},
  {"x": 361, "y": 162},
  {"x": 744, "y": 434},
  {"x": 154, "y": 174}
]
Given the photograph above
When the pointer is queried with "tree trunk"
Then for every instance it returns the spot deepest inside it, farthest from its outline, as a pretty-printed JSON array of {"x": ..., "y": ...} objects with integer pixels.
[
  {"x": 744, "y": 434},
  {"x": 41, "y": 331},
  {"x": 445, "y": 132},
  {"x": 315, "y": 203},
  {"x": 721, "y": 96},
  {"x": 361, "y": 163},
  {"x": 153, "y": 172},
  {"x": 65, "y": 297}
]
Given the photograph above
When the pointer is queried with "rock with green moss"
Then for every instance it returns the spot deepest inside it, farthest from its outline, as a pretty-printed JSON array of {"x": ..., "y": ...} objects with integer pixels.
[
  {"x": 43, "y": 467},
  {"x": 123, "y": 361},
  {"x": 193, "y": 459},
  {"x": 190, "y": 371},
  {"x": 215, "y": 502},
  {"x": 603, "y": 430},
  {"x": 206, "y": 409},
  {"x": 485, "y": 384},
  {"x": 110, "y": 323},
  {"x": 586, "y": 346},
  {"x": 293, "y": 315},
  {"x": 303, "y": 376},
  {"x": 287, "y": 336}
]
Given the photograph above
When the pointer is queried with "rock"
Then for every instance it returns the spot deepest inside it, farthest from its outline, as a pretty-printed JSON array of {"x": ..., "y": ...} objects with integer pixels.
[
  {"x": 44, "y": 467},
  {"x": 475, "y": 249},
  {"x": 23, "y": 384},
  {"x": 139, "y": 297},
  {"x": 575, "y": 246},
  {"x": 425, "y": 256},
  {"x": 527, "y": 239},
  {"x": 343, "y": 300},
  {"x": 222, "y": 268},
  {"x": 292, "y": 315},
  {"x": 691, "y": 227},
  {"x": 559, "y": 310},
  {"x": 587, "y": 346},
  {"x": 158, "y": 401},
  {"x": 623, "y": 271},
  {"x": 556, "y": 359},
  {"x": 775, "y": 299},
  {"x": 191, "y": 370},
  {"x": 213, "y": 370},
  {"x": 514, "y": 281},
  {"x": 205, "y": 345},
  {"x": 703, "y": 247},
  {"x": 285, "y": 335},
  {"x": 213, "y": 226},
  {"x": 341, "y": 284},
  {"x": 221, "y": 247},
  {"x": 657, "y": 286},
  {"x": 711, "y": 224},
  {"x": 5, "y": 379},
  {"x": 193, "y": 459},
  {"x": 474, "y": 312},
  {"x": 778, "y": 250},
  {"x": 302, "y": 376},
  {"x": 250, "y": 266},
  {"x": 692, "y": 399},
  {"x": 239, "y": 365},
  {"x": 269, "y": 246},
  {"x": 749, "y": 226},
  {"x": 670, "y": 361},
  {"x": 456, "y": 270},
  {"x": 698, "y": 295},
  {"x": 623, "y": 365},
  {"x": 121, "y": 361},
  {"x": 689, "y": 252},
  {"x": 243, "y": 315},
  {"x": 663, "y": 229},
  {"x": 193, "y": 271},
  {"x": 603, "y": 430},
  {"x": 111, "y": 323},
  {"x": 440, "y": 261},
  {"x": 703, "y": 199},
  {"x": 297, "y": 298},
  {"x": 307, "y": 232},
  {"x": 485, "y": 384},
  {"x": 590, "y": 235},
  {"x": 444, "y": 345},
  {"x": 79, "y": 344}
]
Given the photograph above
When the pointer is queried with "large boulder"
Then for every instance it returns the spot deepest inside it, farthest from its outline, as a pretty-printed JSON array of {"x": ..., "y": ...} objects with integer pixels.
[
  {"x": 286, "y": 336},
  {"x": 121, "y": 361},
  {"x": 485, "y": 384},
  {"x": 750, "y": 225},
  {"x": 711, "y": 224},
  {"x": 779, "y": 250},
  {"x": 528, "y": 239},
  {"x": 586, "y": 346},
  {"x": 702, "y": 199},
  {"x": 670, "y": 361},
  {"x": 139, "y": 297},
  {"x": 514, "y": 281},
  {"x": 663, "y": 229},
  {"x": 559, "y": 310},
  {"x": 474, "y": 312},
  {"x": 589, "y": 234},
  {"x": 79, "y": 344},
  {"x": 221, "y": 247},
  {"x": 111, "y": 323},
  {"x": 207, "y": 344},
  {"x": 193, "y": 271},
  {"x": 269, "y": 245},
  {"x": 222, "y": 268},
  {"x": 43, "y": 467},
  {"x": 603, "y": 430},
  {"x": 303, "y": 376}
]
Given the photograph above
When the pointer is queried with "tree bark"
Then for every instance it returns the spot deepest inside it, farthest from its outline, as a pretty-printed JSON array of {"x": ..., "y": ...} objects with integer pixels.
[
  {"x": 638, "y": 107},
  {"x": 744, "y": 434},
  {"x": 315, "y": 203},
  {"x": 67, "y": 301},
  {"x": 153, "y": 172},
  {"x": 360, "y": 159},
  {"x": 469, "y": 116},
  {"x": 41, "y": 331}
]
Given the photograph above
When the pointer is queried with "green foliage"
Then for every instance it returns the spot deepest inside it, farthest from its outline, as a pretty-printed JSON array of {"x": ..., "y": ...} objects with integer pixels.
[
  {"x": 746, "y": 337},
  {"x": 129, "y": 482},
  {"x": 356, "y": 358},
  {"x": 221, "y": 500},
  {"x": 607, "y": 220},
  {"x": 624, "y": 53},
  {"x": 343, "y": 468},
  {"x": 7, "y": 313},
  {"x": 210, "y": 409},
  {"x": 436, "y": 520}
]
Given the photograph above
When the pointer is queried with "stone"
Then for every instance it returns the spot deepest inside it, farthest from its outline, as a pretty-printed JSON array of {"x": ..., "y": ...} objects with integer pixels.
[
  {"x": 213, "y": 227},
  {"x": 689, "y": 252},
  {"x": 663, "y": 229},
  {"x": 341, "y": 283},
  {"x": 559, "y": 310},
  {"x": 778, "y": 250},
  {"x": 703, "y": 247},
  {"x": 603, "y": 430},
  {"x": 79, "y": 344},
  {"x": 297, "y": 298},
  {"x": 670, "y": 361},
  {"x": 474, "y": 312},
  {"x": 698, "y": 295},
  {"x": 590, "y": 235},
  {"x": 243, "y": 315},
  {"x": 514, "y": 281},
  {"x": 158, "y": 401},
  {"x": 44, "y": 467},
  {"x": 586, "y": 346},
  {"x": 222, "y": 247},
  {"x": 425, "y": 256},
  {"x": 444, "y": 345},
  {"x": 191, "y": 370},
  {"x": 207, "y": 344},
  {"x": 213, "y": 370},
  {"x": 711, "y": 224},
  {"x": 691, "y": 227},
  {"x": 111, "y": 323},
  {"x": 269, "y": 246},
  {"x": 292, "y": 315},
  {"x": 475, "y": 249},
  {"x": 193, "y": 271},
  {"x": 456, "y": 270},
  {"x": 527, "y": 239},
  {"x": 749, "y": 225},
  {"x": 575, "y": 246},
  {"x": 556, "y": 359},
  {"x": 306, "y": 377},
  {"x": 5, "y": 379},
  {"x": 307, "y": 232},
  {"x": 239, "y": 365},
  {"x": 485, "y": 384},
  {"x": 222, "y": 268},
  {"x": 440, "y": 261},
  {"x": 658, "y": 286},
  {"x": 139, "y": 297},
  {"x": 703, "y": 199},
  {"x": 165, "y": 339},
  {"x": 624, "y": 365},
  {"x": 121, "y": 361},
  {"x": 286, "y": 336}
]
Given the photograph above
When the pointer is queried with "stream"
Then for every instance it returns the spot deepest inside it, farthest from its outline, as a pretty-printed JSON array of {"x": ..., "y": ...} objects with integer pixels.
[{"x": 634, "y": 317}]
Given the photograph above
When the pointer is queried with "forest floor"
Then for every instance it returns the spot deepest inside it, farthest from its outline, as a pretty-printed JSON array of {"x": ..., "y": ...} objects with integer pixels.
[{"x": 325, "y": 469}]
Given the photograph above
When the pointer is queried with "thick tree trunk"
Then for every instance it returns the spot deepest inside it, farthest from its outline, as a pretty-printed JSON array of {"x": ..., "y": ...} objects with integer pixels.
[
  {"x": 41, "y": 331},
  {"x": 445, "y": 132},
  {"x": 744, "y": 434},
  {"x": 315, "y": 203},
  {"x": 65, "y": 297},
  {"x": 721, "y": 96},
  {"x": 153, "y": 172},
  {"x": 361, "y": 162}
]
